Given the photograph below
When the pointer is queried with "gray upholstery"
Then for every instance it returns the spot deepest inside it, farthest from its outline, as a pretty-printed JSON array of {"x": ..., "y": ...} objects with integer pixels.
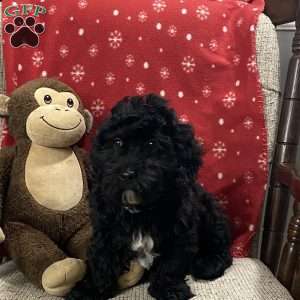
[{"x": 247, "y": 279}]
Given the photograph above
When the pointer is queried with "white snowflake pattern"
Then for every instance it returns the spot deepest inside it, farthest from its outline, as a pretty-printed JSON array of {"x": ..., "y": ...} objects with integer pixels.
[
  {"x": 15, "y": 79},
  {"x": 248, "y": 123},
  {"x": 202, "y": 12},
  {"x": 64, "y": 51},
  {"x": 142, "y": 16},
  {"x": 77, "y": 73},
  {"x": 188, "y": 64},
  {"x": 219, "y": 149},
  {"x": 229, "y": 100},
  {"x": 82, "y": 4},
  {"x": 115, "y": 39},
  {"x": 206, "y": 91},
  {"x": 184, "y": 118},
  {"x": 239, "y": 22},
  {"x": 37, "y": 58},
  {"x": 172, "y": 31},
  {"x": 241, "y": 4},
  {"x": 223, "y": 200},
  {"x": 164, "y": 73},
  {"x": 129, "y": 60},
  {"x": 248, "y": 177},
  {"x": 97, "y": 107},
  {"x": 159, "y": 5},
  {"x": 110, "y": 78},
  {"x": 213, "y": 45},
  {"x": 93, "y": 50},
  {"x": 52, "y": 10},
  {"x": 236, "y": 60},
  {"x": 140, "y": 88},
  {"x": 262, "y": 161},
  {"x": 251, "y": 64},
  {"x": 200, "y": 140}
]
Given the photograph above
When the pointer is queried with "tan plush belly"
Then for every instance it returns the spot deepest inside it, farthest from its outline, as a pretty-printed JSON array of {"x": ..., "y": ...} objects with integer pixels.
[{"x": 53, "y": 177}]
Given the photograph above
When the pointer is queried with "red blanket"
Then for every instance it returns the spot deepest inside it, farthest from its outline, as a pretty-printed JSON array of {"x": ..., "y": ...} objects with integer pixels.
[{"x": 199, "y": 54}]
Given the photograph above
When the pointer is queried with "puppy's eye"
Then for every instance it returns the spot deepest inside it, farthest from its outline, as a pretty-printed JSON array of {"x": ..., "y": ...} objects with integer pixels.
[
  {"x": 47, "y": 99},
  {"x": 118, "y": 142}
]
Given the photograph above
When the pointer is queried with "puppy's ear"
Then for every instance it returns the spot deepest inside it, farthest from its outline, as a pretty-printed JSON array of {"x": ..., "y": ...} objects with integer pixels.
[{"x": 187, "y": 149}]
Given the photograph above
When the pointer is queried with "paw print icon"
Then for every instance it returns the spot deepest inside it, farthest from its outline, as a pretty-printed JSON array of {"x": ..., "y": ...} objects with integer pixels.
[{"x": 24, "y": 32}]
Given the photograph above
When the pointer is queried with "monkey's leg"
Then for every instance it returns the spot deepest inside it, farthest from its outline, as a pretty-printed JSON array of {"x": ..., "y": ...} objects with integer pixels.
[
  {"x": 78, "y": 244},
  {"x": 41, "y": 260}
]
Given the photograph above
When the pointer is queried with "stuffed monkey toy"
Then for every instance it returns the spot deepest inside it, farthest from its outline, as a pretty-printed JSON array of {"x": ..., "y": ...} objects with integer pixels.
[{"x": 43, "y": 186}]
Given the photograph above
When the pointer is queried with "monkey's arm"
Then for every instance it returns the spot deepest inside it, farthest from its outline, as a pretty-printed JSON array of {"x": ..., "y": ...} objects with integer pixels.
[{"x": 6, "y": 159}]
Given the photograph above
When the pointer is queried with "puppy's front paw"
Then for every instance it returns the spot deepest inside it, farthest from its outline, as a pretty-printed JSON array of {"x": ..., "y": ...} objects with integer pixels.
[{"x": 179, "y": 292}]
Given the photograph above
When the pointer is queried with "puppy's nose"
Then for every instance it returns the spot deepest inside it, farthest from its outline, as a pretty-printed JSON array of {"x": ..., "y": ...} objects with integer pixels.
[{"x": 128, "y": 174}]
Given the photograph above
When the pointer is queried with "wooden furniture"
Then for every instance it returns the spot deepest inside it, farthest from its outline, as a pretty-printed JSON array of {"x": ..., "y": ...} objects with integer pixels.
[{"x": 285, "y": 184}]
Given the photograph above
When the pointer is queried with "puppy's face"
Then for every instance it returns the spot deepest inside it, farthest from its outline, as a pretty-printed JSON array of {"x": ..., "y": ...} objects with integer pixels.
[{"x": 136, "y": 153}]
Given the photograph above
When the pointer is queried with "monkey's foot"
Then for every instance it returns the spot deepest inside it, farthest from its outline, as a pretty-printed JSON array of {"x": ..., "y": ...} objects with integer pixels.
[{"x": 60, "y": 277}]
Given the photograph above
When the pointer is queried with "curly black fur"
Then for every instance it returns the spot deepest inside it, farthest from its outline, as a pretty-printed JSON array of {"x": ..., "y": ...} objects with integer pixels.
[{"x": 160, "y": 157}]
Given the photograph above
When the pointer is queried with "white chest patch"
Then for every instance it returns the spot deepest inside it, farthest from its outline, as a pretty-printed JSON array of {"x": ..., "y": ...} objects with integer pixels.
[{"x": 143, "y": 245}]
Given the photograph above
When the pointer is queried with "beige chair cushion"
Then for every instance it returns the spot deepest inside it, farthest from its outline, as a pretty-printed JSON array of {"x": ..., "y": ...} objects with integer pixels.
[{"x": 247, "y": 279}]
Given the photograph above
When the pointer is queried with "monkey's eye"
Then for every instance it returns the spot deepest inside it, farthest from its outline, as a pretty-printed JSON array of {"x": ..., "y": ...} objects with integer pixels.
[
  {"x": 150, "y": 143},
  {"x": 118, "y": 142},
  {"x": 70, "y": 102},
  {"x": 47, "y": 99}
]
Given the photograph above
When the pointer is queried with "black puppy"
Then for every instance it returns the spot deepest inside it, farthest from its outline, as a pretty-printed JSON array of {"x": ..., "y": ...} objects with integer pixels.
[{"x": 145, "y": 192}]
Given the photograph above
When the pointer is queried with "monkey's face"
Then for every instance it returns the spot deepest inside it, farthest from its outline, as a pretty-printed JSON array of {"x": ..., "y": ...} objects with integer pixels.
[{"x": 56, "y": 122}]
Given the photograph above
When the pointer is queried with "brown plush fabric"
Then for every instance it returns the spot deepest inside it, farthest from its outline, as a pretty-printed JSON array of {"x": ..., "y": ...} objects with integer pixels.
[
  {"x": 281, "y": 11},
  {"x": 37, "y": 236}
]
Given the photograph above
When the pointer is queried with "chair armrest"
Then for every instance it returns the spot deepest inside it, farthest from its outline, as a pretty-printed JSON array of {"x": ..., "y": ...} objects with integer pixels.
[{"x": 289, "y": 267}]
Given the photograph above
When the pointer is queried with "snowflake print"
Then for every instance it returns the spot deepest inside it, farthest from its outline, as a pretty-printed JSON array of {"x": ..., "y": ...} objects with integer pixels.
[
  {"x": 64, "y": 51},
  {"x": 248, "y": 177},
  {"x": 188, "y": 64},
  {"x": 219, "y": 149},
  {"x": 82, "y": 4},
  {"x": 236, "y": 60},
  {"x": 229, "y": 100},
  {"x": 77, "y": 73},
  {"x": 206, "y": 91},
  {"x": 164, "y": 73},
  {"x": 97, "y": 107},
  {"x": 172, "y": 30},
  {"x": 37, "y": 58},
  {"x": 142, "y": 16},
  {"x": 239, "y": 22},
  {"x": 52, "y": 10},
  {"x": 110, "y": 78},
  {"x": 241, "y": 3},
  {"x": 251, "y": 65},
  {"x": 213, "y": 45},
  {"x": 202, "y": 12},
  {"x": 184, "y": 118},
  {"x": 248, "y": 123},
  {"x": 262, "y": 161},
  {"x": 223, "y": 200},
  {"x": 129, "y": 60},
  {"x": 200, "y": 140},
  {"x": 15, "y": 79},
  {"x": 159, "y": 5},
  {"x": 115, "y": 39},
  {"x": 140, "y": 88},
  {"x": 93, "y": 50}
]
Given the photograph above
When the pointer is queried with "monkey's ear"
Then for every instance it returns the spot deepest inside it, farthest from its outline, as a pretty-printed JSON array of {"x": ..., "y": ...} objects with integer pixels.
[
  {"x": 88, "y": 120},
  {"x": 4, "y": 105}
]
